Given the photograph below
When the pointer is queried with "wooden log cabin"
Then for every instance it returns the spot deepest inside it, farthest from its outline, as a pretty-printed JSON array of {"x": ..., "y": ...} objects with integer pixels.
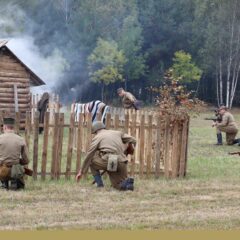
[{"x": 15, "y": 82}]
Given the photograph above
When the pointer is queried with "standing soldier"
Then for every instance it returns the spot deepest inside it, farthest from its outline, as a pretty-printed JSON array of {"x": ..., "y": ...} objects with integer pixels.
[
  {"x": 13, "y": 154},
  {"x": 106, "y": 152},
  {"x": 128, "y": 100},
  {"x": 227, "y": 125}
]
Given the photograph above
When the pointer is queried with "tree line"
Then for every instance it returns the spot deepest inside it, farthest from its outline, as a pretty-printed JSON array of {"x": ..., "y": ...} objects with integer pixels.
[{"x": 113, "y": 43}]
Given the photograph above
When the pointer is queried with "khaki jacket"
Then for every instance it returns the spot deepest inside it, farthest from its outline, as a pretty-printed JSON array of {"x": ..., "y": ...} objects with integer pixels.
[
  {"x": 228, "y": 121},
  {"x": 12, "y": 149},
  {"x": 128, "y": 99},
  {"x": 108, "y": 141}
]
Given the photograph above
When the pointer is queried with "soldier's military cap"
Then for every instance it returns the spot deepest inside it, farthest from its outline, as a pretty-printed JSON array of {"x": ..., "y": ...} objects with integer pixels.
[
  {"x": 119, "y": 90},
  {"x": 97, "y": 126},
  {"x": 223, "y": 107},
  {"x": 8, "y": 121}
]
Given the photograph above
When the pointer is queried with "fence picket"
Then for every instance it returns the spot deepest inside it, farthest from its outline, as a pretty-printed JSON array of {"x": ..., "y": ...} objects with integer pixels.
[
  {"x": 149, "y": 145},
  {"x": 35, "y": 145},
  {"x": 45, "y": 146},
  {"x": 133, "y": 133},
  {"x": 158, "y": 149},
  {"x": 55, "y": 145},
  {"x": 183, "y": 149},
  {"x": 79, "y": 142},
  {"x": 60, "y": 145},
  {"x": 27, "y": 128},
  {"x": 70, "y": 147},
  {"x": 161, "y": 142}
]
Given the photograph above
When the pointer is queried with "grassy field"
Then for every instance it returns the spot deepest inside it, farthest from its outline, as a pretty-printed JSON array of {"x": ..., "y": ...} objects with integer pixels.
[{"x": 208, "y": 198}]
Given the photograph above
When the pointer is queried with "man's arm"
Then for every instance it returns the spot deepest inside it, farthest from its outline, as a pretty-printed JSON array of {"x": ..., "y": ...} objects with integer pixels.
[
  {"x": 128, "y": 139},
  {"x": 24, "y": 160},
  {"x": 130, "y": 97},
  {"x": 90, "y": 154},
  {"x": 224, "y": 121}
]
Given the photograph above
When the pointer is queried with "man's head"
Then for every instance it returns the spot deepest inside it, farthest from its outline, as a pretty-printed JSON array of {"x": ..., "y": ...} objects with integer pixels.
[
  {"x": 96, "y": 126},
  {"x": 120, "y": 92},
  {"x": 222, "y": 109},
  {"x": 8, "y": 123}
]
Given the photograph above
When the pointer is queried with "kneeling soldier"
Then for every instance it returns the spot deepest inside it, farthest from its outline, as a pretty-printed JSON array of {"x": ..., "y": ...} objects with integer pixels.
[
  {"x": 106, "y": 152},
  {"x": 227, "y": 125},
  {"x": 13, "y": 155}
]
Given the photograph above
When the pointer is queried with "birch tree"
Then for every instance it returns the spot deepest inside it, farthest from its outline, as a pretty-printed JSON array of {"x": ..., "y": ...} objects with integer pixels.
[{"x": 224, "y": 47}]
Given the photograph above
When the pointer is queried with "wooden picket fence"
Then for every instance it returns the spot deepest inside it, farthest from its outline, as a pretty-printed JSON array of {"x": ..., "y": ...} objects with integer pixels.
[{"x": 162, "y": 143}]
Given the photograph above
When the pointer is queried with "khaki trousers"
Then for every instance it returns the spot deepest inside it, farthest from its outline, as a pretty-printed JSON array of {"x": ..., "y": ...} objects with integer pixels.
[
  {"x": 230, "y": 131},
  {"x": 117, "y": 177}
]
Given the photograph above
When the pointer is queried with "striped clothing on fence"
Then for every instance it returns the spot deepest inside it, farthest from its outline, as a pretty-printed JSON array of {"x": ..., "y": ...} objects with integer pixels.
[{"x": 93, "y": 107}]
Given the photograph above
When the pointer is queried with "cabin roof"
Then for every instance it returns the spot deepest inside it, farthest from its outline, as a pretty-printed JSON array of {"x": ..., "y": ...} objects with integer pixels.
[{"x": 37, "y": 81}]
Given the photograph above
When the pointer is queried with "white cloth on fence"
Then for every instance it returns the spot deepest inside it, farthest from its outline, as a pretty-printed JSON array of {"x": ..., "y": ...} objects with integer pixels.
[{"x": 93, "y": 107}]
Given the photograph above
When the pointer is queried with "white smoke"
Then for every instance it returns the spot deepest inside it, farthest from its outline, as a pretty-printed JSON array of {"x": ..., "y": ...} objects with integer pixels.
[
  {"x": 30, "y": 42},
  {"x": 49, "y": 68}
]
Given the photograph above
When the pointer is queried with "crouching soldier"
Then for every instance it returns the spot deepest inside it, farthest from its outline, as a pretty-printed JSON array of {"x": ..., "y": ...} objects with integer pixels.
[
  {"x": 227, "y": 125},
  {"x": 106, "y": 152},
  {"x": 13, "y": 155}
]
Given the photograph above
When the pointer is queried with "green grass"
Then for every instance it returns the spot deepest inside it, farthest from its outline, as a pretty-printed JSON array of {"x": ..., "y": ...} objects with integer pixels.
[{"x": 208, "y": 198}]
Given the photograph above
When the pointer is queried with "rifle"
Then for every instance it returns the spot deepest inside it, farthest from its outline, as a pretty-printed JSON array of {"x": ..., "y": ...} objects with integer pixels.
[
  {"x": 218, "y": 117},
  {"x": 234, "y": 153},
  {"x": 213, "y": 119}
]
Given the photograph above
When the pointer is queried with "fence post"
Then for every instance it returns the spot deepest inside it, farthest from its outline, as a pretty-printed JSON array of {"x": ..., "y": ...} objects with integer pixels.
[
  {"x": 27, "y": 128},
  {"x": 108, "y": 121},
  {"x": 116, "y": 122},
  {"x": 89, "y": 130},
  {"x": 142, "y": 144},
  {"x": 55, "y": 145},
  {"x": 79, "y": 142},
  {"x": 35, "y": 145},
  {"x": 126, "y": 123},
  {"x": 17, "y": 122},
  {"x": 149, "y": 145},
  {"x": 158, "y": 148},
  {"x": 70, "y": 147},
  {"x": 60, "y": 144},
  {"x": 186, "y": 153},
  {"x": 183, "y": 155},
  {"x": 133, "y": 133},
  {"x": 166, "y": 147},
  {"x": 176, "y": 149},
  {"x": 45, "y": 145}
]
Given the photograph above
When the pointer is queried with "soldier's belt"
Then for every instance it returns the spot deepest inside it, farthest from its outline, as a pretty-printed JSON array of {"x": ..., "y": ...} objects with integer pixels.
[
  {"x": 9, "y": 165},
  {"x": 102, "y": 153}
]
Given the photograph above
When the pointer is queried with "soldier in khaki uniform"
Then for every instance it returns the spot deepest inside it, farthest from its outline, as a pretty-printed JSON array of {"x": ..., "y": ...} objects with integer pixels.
[
  {"x": 106, "y": 153},
  {"x": 13, "y": 154},
  {"x": 227, "y": 125},
  {"x": 128, "y": 100}
]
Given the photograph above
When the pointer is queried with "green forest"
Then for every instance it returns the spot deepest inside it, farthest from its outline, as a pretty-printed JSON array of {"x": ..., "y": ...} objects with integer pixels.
[{"x": 106, "y": 44}]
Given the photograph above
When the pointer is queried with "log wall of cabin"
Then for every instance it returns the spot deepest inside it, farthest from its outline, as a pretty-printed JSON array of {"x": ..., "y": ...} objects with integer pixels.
[{"x": 13, "y": 72}]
